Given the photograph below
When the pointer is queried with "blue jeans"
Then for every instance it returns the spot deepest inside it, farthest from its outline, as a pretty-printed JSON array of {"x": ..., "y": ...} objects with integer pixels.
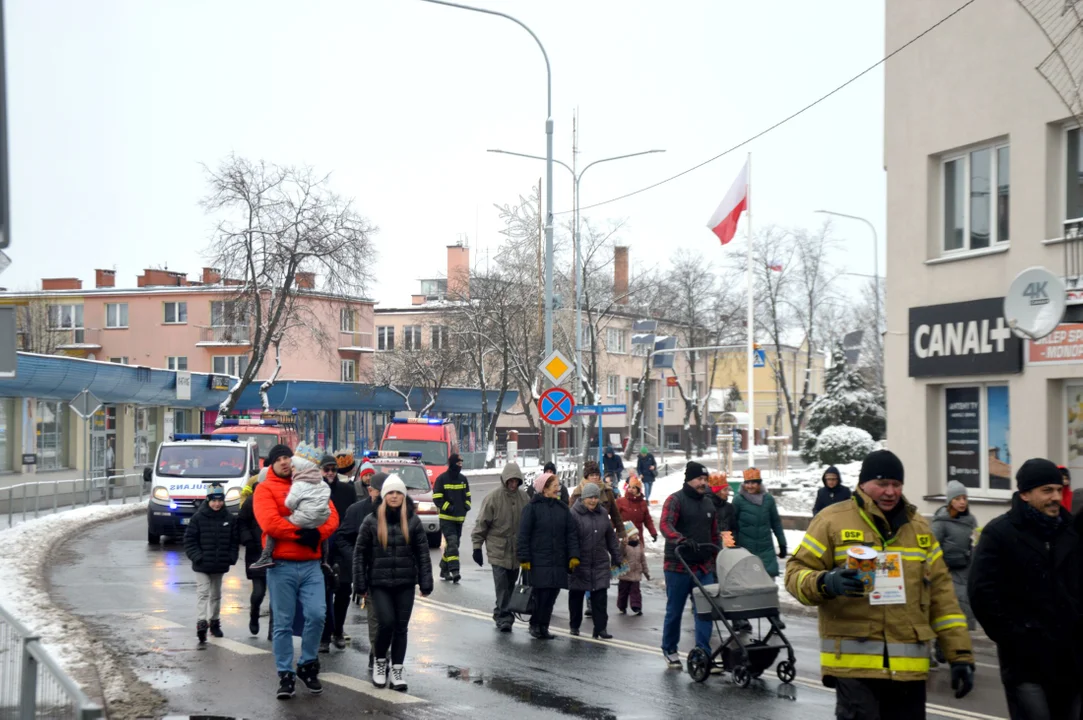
[
  {"x": 679, "y": 587},
  {"x": 288, "y": 581},
  {"x": 647, "y": 485}
]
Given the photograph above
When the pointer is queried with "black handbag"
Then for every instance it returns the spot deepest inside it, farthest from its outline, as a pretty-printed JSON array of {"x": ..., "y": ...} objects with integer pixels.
[{"x": 522, "y": 597}]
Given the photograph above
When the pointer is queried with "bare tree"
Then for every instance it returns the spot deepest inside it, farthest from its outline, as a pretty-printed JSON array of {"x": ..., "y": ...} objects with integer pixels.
[
  {"x": 428, "y": 370},
  {"x": 279, "y": 224},
  {"x": 35, "y": 331}
]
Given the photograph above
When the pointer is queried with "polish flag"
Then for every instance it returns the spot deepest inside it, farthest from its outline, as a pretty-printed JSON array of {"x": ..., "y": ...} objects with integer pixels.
[
  {"x": 776, "y": 266},
  {"x": 724, "y": 221}
]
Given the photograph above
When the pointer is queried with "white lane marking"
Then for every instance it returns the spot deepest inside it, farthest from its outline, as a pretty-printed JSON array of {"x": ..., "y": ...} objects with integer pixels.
[
  {"x": 949, "y": 712},
  {"x": 367, "y": 688},
  {"x": 151, "y": 622},
  {"x": 237, "y": 647}
]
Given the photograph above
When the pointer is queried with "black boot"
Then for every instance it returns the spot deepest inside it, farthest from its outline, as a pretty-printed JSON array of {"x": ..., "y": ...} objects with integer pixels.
[
  {"x": 216, "y": 628},
  {"x": 309, "y": 675},
  {"x": 253, "y": 623},
  {"x": 285, "y": 685},
  {"x": 201, "y": 631}
]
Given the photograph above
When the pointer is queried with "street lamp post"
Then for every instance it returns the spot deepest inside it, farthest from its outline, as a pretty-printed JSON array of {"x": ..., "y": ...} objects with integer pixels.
[
  {"x": 547, "y": 449},
  {"x": 876, "y": 271},
  {"x": 576, "y": 178}
]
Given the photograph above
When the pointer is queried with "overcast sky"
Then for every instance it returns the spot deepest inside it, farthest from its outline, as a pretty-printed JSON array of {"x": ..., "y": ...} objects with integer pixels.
[{"x": 114, "y": 104}]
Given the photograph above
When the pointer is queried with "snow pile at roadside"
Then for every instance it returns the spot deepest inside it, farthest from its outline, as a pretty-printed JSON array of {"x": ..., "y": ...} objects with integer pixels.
[{"x": 24, "y": 553}]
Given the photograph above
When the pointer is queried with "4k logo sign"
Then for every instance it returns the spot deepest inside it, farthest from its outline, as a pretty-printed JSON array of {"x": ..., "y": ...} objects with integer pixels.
[{"x": 1035, "y": 291}]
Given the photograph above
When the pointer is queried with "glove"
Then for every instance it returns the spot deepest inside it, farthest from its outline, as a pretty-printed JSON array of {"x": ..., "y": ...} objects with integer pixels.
[
  {"x": 843, "y": 581},
  {"x": 573, "y": 564},
  {"x": 309, "y": 537},
  {"x": 654, "y": 538},
  {"x": 962, "y": 678},
  {"x": 781, "y": 553},
  {"x": 524, "y": 565},
  {"x": 477, "y": 557},
  {"x": 689, "y": 545}
]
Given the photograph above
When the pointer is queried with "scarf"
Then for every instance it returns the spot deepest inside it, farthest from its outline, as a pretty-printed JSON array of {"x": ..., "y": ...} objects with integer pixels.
[
  {"x": 755, "y": 499},
  {"x": 1046, "y": 526}
]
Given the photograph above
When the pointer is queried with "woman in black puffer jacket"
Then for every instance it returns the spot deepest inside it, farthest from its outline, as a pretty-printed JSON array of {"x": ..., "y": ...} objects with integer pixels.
[
  {"x": 390, "y": 558},
  {"x": 548, "y": 549},
  {"x": 212, "y": 543},
  {"x": 251, "y": 537}
]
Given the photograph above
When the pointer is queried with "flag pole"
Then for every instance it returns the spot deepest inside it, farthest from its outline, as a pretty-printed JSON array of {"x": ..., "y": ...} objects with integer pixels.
[{"x": 751, "y": 323}]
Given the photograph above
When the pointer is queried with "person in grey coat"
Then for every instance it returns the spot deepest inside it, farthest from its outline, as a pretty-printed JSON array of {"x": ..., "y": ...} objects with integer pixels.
[
  {"x": 954, "y": 527},
  {"x": 599, "y": 552},
  {"x": 497, "y": 528}
]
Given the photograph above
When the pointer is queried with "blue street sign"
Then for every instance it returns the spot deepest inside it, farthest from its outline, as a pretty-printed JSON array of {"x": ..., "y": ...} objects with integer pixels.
[
  {"x": 601, "y": 409},
  {"x": 661, "y": 409},
  {"x": 761, "y": 359}
]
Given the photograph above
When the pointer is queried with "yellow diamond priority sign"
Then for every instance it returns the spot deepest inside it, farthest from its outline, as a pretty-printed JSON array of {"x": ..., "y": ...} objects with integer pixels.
[{"x": 556, "y": 367}]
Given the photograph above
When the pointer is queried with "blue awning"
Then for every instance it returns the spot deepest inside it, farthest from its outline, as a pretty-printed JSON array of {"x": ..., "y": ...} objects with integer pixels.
[{"x": 55, "y": 377}]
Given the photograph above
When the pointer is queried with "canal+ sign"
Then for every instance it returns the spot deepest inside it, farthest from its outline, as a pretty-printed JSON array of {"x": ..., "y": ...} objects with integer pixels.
[{"x": 966, "y": 338}]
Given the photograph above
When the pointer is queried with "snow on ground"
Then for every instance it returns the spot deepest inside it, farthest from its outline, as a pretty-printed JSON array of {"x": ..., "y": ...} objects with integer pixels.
[
  {"x": 24, "y": 554},
  {"x": 802, "y": 486}
]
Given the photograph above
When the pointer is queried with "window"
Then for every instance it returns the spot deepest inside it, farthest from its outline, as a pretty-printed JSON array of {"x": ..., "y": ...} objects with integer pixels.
[
  {"x": 433, "y": 288},
  {"x": 385, "y": 338},
  {"x": 229, "y": 364},
  {"x": 63, "y": 317},
  {"x": 116, "y": 315},
  {"x": 227, "y": 312},
  {"x": 615, "y": 340},
  {"x": 176, "y": 363},
  {"x": 439, "y": 337},
  {"x": 411, "y": 337},
  {"x": 973, "y": 220},
  {"x": 347, "y": 320},
  {"x": 612, "y": 385},
  {"x": 1073, "y": 183},
  {"x": 977, "y": 440},
  {"x": 671, "y": 395},
  {"x": 119, "y": 360},
  {"x": 50, "y": 423},
  {"x": 176, "y": 313},
  {"x": 7, "y": 421},
  {"x": 348, "y": 371}
]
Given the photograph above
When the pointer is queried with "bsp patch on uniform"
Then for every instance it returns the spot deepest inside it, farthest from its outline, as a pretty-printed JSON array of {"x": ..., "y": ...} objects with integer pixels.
[
  {"x": 924, "y": 541},
  {"x": 852, "y": 536}
]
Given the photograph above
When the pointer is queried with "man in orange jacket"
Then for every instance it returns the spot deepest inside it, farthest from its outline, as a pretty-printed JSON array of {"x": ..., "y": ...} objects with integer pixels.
[{"x": 296, "y": 575}]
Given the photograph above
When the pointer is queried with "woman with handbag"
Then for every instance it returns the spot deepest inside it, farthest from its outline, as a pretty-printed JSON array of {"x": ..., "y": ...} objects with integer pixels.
[
  {"x": 391, "y": 557},
  {"x": 548, "y": 550}
]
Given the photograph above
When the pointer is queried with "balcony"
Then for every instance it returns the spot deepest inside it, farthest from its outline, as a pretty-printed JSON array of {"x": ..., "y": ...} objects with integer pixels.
[
  {"x": 224, "y": 336},
  {"x": 77, "y": 339},
  {"x": 355, "y": 342}
]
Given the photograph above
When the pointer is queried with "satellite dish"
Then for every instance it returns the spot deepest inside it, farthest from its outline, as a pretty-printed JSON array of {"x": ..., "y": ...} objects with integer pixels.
[{"x": 1035, "y": 303}]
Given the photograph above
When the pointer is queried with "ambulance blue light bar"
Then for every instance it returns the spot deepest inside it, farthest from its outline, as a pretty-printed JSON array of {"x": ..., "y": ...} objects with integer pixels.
[
  {"x": 249, "y": 422},
  {"x": 180, "y": 437},
  {"x": 392, "y": 453},
  {"x": 419, "y": 421}
]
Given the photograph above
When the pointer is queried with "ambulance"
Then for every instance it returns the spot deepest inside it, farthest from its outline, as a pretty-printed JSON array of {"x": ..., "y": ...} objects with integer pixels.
[{"x": 182, "y": 471}]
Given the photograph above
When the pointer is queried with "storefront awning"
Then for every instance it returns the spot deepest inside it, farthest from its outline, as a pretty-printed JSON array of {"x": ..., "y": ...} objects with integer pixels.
[{"x": 321, "y": 395}]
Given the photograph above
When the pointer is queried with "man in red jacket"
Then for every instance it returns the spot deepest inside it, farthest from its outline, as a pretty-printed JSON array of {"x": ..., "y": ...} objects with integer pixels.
[{"x": 296, "y": 575}]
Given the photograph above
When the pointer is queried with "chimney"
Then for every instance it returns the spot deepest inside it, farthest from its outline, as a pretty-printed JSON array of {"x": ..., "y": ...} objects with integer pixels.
[
  {"x": 211, "y": 276},
  {"x": 105, "y": 278},
  {"x": 61, "y": 284},
  {"x": 620, "y": 274},
  {"x": 156, "y": 278},
  {"x": 305, "y": 280},
  {"x": 458, "y": 271}
]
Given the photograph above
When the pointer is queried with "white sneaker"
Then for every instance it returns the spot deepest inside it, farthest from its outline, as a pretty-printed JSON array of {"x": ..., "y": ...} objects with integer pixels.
[
  {"x": 379, "y": 673},
  {"x": 397, "y": 683}
]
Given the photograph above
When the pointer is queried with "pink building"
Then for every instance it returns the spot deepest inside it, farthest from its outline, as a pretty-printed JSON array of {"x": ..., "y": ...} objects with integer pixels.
[{"x": 170, "y": 322}]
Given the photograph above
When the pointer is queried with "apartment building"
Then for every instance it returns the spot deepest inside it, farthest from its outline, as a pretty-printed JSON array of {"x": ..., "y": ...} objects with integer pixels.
[{"x": 984, "y": 172}]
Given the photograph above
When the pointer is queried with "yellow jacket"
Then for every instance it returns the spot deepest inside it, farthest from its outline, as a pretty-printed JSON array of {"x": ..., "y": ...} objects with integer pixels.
[{"x": 860, "y": 640}]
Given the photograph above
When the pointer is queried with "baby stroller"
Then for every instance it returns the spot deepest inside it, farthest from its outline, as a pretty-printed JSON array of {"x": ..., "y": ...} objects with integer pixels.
[{"x": 744, "y": 592}]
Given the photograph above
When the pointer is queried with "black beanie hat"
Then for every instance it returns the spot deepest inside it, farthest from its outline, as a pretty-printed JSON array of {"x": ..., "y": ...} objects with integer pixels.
[
  {"x": 1037, "y": 472},
  {"x": 376, "y": 480},
  {"x": 278, "y": 451},
  {"x": 881, "y": 465},
  {"x": 695, "y": 470}
]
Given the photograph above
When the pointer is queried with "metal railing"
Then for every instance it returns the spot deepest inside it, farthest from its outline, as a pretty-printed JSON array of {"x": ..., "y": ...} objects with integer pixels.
[
  {"x": 51, "y": 495},
  {"x": 32, "y": 684},
  {"x": 77, "y": 337}
]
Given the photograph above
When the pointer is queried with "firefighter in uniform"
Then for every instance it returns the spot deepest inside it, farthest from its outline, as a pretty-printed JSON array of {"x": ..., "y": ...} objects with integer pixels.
[
  {"x": 451, "y": 495},
  {"x": 875, "y": 644}
]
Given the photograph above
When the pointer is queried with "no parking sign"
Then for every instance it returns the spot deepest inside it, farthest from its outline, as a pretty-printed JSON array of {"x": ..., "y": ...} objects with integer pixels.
[{"x": 556, "y": 406}]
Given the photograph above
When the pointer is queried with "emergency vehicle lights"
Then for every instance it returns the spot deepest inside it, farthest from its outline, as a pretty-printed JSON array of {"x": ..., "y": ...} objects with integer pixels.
[
  {"x": 172, "y": 505},
  {"x": 236, "y": 422},
  {"x": 392, "y": 453},
  {"x": 179, "y": 437},
  {"x": 419, "y": 421}
]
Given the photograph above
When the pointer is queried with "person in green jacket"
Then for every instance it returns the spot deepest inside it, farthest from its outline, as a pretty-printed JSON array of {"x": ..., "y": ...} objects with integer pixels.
[{"x": 757, "y": 518}]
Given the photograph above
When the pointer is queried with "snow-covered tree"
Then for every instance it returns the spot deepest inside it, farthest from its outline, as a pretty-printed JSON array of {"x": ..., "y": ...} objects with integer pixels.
[
  {"x": 840, "y": 444},
  {"x": 846, "y": 401}
]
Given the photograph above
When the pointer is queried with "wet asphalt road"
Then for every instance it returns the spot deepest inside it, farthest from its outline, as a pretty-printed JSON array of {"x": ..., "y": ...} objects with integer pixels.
[{"x": 458, "y": 665}]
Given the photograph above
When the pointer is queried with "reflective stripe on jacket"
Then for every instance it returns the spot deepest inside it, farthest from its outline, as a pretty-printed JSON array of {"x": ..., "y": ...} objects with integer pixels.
[
  {"x": 451, "y": 494},
  {"x": 860, "y": 640}
]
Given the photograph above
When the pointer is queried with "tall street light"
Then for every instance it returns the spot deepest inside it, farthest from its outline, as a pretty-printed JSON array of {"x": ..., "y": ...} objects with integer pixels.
[
  {"x": 875, "y": 271},
  {"x": 576, "y": 178},
  {"x": 547, "y": 449}
]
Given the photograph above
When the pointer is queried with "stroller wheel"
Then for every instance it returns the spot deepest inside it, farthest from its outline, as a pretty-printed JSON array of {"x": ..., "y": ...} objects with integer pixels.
[
  {"x": 786, "y": 671},
  {"x": 699, "y": 664},
  {"x": 741, "y": 676}
]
